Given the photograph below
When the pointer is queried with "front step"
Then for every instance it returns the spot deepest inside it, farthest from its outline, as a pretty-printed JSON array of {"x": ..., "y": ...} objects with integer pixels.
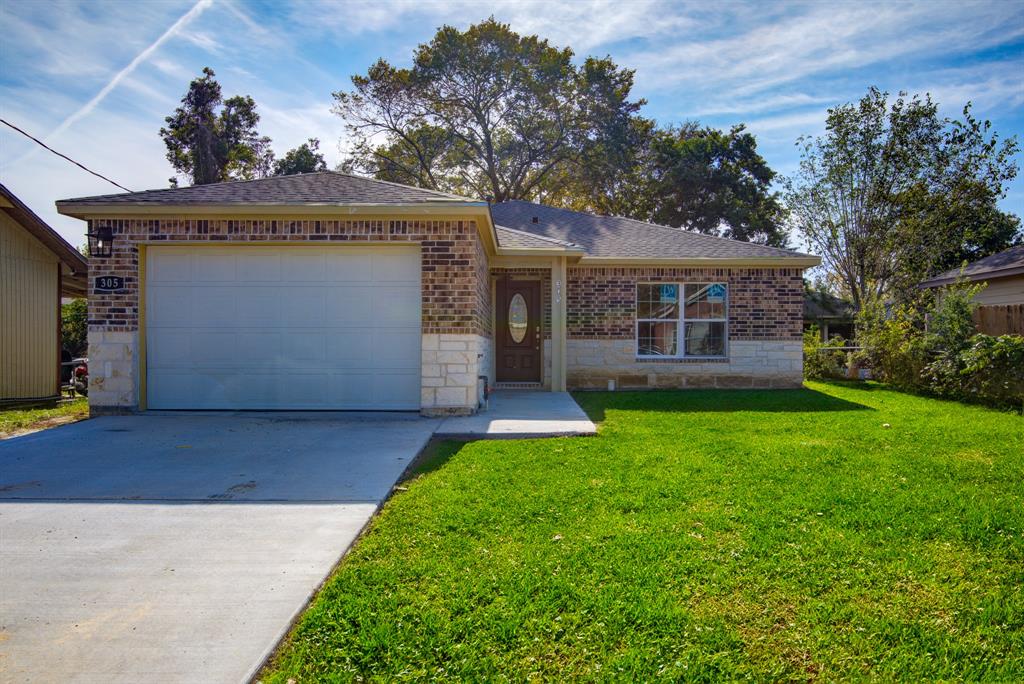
[{"x": 518, "y": 386}]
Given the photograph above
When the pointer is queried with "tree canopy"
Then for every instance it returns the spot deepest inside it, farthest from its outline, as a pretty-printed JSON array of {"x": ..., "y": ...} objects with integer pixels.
[
  {"x": 210, "y": 139},
  {"x": 893, "y": 193},
  {"x": 483, "y": 112},
  {"x": 492, "y": 114},
  {"x": 305, "y": 158}
]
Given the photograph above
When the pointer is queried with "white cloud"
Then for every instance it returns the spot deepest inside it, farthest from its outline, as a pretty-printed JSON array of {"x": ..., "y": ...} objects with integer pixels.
[{"x": 89, "y": 106}]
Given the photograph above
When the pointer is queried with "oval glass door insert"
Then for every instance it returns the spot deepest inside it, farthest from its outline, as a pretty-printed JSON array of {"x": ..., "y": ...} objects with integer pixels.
[{"x": 517, "y": 318}]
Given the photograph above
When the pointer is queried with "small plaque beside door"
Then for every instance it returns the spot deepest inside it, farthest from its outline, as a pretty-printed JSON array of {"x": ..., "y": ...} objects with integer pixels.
[{"x": 108, "y": 283}]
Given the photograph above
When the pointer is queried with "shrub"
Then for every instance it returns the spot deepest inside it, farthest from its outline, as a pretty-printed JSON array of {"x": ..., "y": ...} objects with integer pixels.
[
  {"x": 894, "y": 344},
  {"x": 951, "y": 333},
  {"x": 819, "y": 361},
  {"x": 992, "y": 370}
]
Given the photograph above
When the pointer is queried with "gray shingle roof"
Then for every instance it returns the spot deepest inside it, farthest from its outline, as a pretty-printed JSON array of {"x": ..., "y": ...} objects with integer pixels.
[
  {"x": 1006, "y": 263},
  {"x": 617, "y": 237},
  {"x": 516, "y": 239},
  {"x": 324, "y": 187}
]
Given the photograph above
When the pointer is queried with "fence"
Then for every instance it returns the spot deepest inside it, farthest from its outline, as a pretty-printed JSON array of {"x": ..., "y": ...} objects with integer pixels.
[{"x": 1001, "y": 319}]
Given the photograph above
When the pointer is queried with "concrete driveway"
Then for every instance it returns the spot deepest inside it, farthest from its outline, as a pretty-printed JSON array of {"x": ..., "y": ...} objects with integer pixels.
[{"x": 179, "y": 547}]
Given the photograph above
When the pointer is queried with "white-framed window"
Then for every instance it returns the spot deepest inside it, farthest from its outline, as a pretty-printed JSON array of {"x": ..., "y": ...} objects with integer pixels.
[{"x": 675, "y": 320}]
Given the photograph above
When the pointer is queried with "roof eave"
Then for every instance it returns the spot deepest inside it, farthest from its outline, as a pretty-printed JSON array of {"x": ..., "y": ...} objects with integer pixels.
[
  {"x": 971, "y": 277},
  {"x": 540, "y": 251},
  {"x": 802, "y": 261}
]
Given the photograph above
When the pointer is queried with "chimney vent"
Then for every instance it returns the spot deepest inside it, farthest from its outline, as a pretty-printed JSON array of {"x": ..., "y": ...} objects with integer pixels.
[{"x": 536, "y": 220}]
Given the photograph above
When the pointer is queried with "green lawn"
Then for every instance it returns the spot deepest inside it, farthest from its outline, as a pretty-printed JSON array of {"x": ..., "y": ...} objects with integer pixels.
[
  {"x": 14, "y": 421},
  {"x": 702, "y": 535}
]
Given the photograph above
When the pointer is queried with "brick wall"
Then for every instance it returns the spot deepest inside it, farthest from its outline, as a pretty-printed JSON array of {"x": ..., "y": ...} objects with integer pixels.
[
  {"x": 451, "y": 262},
  {"x": 764, "y": 303}
]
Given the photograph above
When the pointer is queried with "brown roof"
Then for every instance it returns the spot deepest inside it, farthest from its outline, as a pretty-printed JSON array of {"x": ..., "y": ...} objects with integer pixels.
[
  {"x": 617, "y": 237},
  {"x": 323, "y": 187},
  {"x": 73, "y": 284},
  {"x": 1008, "y": 263}
]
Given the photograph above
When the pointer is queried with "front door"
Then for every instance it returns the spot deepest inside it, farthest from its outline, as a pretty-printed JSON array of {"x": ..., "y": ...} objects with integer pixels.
[{"x": 519, "y": 334}]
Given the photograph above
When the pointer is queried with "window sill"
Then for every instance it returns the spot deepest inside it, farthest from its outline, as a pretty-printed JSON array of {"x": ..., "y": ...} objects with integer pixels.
[{"x": 682, "y": 359}]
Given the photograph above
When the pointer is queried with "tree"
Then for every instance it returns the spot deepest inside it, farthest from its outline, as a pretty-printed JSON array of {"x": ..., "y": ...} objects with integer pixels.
[
  {"x": 211, "y": 139},
  {"x": 74, "y": 327},
  {"x": 483, "y": 112},
  {"x": 305, "y": 158},
  {"x": 892, "y": 193},
  {"x": 714, "y": 182}
]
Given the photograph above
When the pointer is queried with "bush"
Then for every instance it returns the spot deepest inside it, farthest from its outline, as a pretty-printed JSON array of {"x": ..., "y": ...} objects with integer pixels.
[
  {"x": 894, "y": 344},
  {"x": 993, "y": 371},
  {"x": 951, "y": 333},
  {"x": 946, "y": 357},
  {"x": 819, "y": 361}
]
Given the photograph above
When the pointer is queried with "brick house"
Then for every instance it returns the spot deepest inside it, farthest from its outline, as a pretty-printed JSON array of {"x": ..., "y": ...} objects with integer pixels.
[{"x": 330, "y": 291}]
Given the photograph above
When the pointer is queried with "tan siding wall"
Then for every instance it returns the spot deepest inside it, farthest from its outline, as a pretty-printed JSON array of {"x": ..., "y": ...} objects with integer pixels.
[
  {"x": 28, "y": 314},
  {"x": 1003, "y": 291}
]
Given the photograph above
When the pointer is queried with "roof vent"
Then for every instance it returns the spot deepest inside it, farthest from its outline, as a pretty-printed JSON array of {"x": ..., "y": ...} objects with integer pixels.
[{"x": 536, "y": 220}]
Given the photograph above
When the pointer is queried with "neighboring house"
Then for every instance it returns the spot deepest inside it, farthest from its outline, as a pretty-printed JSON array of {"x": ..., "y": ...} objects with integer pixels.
[
  {"x": 834, "y": 317},
  {"x": 1001, "y": 303},
  {"x": 331, "y": 291},
  {"x": 37, "y": 268}
]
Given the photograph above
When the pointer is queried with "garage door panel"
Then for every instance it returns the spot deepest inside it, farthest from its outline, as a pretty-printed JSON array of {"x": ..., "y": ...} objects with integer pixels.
[
  {"x": 302, "y": 306},
  {"x": 214, "y": 347},
  {"x": 169, "y": 267},
  {"x": 169, "y": 347},
  {"x": 353, "y": 266},
  {"x": 352, "y": 305},
  {"x": 396, "y": 303},
  {"x": 283, "y": 327},
  {"x": 401, "y": 267},
  {"x": 257, "y": 347},
  {"x": 303, "y": 347},
  {"x": 258, "y": 266},
  {"x": 214, "y": 306},
  {"x": 302, "y": 267},
  {"x": 396, "y": 348},
  {"x": 260, "y": 305},
  {"x": 170, "y": 305},
  {"x": 218, "y": 266}
]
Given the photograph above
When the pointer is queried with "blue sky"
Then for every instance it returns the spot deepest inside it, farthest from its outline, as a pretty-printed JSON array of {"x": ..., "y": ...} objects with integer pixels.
[{"x": 96, "y": 79}]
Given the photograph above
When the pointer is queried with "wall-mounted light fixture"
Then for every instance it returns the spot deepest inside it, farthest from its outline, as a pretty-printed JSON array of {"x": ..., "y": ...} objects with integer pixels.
[{"x": 101, "y": 241}]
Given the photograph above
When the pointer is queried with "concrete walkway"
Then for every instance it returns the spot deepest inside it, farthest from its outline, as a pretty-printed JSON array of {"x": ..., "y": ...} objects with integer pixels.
[
  {"x": 177, "y": 547},
  {"x": 517, "y": 414}
]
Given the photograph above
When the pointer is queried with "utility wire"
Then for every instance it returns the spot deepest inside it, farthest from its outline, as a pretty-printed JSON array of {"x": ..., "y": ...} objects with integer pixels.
[{"x": 37, "y": 140}]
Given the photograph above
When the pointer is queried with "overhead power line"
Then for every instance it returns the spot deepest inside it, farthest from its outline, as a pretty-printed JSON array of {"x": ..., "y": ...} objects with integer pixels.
[{"x": 81, "y": 166}]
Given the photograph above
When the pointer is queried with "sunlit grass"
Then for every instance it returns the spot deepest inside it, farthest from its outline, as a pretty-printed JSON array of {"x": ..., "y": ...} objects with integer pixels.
[{"x": 836, "y": 532}]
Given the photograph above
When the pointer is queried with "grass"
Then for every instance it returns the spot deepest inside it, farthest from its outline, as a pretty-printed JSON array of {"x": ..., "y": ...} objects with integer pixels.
[
  {"x": 15, "y": 421},
  {"x": 835, "y": 532}
]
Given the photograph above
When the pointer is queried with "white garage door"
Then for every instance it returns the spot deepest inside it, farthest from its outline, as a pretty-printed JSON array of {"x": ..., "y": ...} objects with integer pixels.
[{"x": 264, "y": 327}]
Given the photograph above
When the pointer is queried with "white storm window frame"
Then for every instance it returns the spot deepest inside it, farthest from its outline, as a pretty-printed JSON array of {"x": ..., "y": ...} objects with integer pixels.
[{"x": 680, "y": 321}]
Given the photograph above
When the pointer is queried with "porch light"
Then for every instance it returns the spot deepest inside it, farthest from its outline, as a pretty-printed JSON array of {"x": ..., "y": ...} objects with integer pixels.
[{"x": 101, "y": 241}]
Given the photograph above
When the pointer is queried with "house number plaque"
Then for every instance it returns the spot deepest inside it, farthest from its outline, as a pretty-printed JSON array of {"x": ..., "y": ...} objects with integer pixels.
[{"x": 109, "y": 283}]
